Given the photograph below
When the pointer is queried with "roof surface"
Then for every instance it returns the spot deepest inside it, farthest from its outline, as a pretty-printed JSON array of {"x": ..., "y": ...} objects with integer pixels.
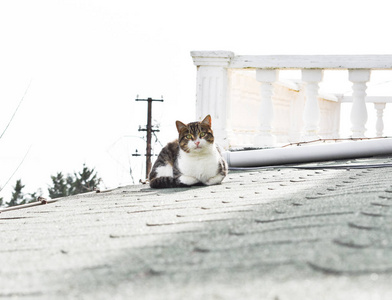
[{"x": 277, "y": 233}]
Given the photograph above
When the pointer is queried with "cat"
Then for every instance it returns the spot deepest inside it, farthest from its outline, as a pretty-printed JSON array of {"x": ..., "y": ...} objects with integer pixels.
[{"x": 193, "y": 159}]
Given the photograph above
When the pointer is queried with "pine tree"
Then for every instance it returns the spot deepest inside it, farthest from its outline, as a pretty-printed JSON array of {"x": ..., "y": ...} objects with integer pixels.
[
  {"x": 85, "y": 181},
  {"x": 78, "y": 183},
  {"x": 17, "y": 195},
  {"x": 70, "y": 185},
  {"x": 59, "y": 187}
]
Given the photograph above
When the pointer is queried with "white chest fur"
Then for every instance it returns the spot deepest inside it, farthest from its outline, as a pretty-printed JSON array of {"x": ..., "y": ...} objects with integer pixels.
[{"x": 202, "y": 166}]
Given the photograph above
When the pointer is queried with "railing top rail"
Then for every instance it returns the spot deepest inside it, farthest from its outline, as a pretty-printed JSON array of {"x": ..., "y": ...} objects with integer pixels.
[
  {"x": 368, "y": 99},
  {"x": 342, "y": 62},
  {"x": 332, "y": 62}
]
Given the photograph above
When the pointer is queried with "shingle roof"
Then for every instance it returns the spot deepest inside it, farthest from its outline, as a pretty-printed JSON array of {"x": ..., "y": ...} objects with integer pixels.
[{"x": 277, "y": 233}]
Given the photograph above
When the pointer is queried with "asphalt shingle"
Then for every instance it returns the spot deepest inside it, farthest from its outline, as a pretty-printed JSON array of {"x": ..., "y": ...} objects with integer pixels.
[{"x": 278, "y": 233}]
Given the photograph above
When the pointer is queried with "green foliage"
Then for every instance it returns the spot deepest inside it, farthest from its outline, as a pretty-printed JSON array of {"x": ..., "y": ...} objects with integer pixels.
[
  {"x": 85, "y": 181},
  {"x": 17, "y": 195},
  {"x": 59, "y": 186}
]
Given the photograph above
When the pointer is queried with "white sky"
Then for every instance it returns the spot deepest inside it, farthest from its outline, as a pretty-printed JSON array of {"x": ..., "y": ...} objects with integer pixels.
[{"x": 87, "y": 61}]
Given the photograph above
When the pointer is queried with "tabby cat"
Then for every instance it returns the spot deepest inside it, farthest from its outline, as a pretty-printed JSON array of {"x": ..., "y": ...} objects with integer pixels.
[{"x": 193, "y": 159}]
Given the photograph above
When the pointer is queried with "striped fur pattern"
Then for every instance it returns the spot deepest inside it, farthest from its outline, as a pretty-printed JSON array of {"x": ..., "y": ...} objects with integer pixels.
[{"x": 193, "y": 159}]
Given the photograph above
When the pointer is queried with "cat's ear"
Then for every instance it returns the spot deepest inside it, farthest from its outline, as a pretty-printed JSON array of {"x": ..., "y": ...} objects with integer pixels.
[
  {"x": 207, "y": 120},
  {"x": 180, "y": 126}
]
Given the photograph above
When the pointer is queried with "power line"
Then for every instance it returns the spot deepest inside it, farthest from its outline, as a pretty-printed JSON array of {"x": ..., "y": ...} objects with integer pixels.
[
  {"x": 16, "y": 170},
  {"x": 13, "y": 115}
]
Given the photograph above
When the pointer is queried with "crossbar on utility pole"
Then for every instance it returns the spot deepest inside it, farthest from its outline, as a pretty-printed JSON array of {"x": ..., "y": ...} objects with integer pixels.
[{"x": 149, "y": 132}]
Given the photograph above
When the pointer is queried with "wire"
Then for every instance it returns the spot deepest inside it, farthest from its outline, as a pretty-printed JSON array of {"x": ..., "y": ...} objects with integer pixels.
[
  {"x": 40, "y": 201},
  {"x": 335, "y": 140},
  {"x": 156, "y": 139},
  {"x": 17, "y": 168},
  {"x": 13, "y": 115}
]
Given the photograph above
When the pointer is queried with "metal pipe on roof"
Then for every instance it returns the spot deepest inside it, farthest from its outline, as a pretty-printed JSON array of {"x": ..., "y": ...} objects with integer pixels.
[{"x": 309, "y": 153}]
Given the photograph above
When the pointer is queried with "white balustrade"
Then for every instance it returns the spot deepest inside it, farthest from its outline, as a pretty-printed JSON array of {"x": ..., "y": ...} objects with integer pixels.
[
  {"x": 379, "y": 105},
  {"x": 359, "y": 78},
  {"x": 311, "y": 114},
  {"x": 265, "y": 138},
  {"x": 379, "y": 123},
  {"x": 211, "y": 91},
  {"x": 216, "y": 93}
]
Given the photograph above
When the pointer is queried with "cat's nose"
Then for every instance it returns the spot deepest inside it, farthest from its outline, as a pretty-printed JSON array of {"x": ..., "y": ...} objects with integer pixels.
[{"x": 197, "y": 143}]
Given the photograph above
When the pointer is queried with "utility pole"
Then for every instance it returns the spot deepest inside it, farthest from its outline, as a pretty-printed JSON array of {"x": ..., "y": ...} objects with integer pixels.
[{"x": 149, "y": 130}]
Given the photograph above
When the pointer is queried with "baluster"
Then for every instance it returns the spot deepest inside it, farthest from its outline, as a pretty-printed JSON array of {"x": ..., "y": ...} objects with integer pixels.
[
  {"x": 359, "y": 112},
  {"x": 211, "y": 92},
  {"x": 311, "y": 115},
  {"x": 265, "y": 138},
  {"x": 379, "y": 123}
]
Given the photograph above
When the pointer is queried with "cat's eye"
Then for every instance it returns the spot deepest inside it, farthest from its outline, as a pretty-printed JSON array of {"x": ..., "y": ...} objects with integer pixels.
[
  {"x": 189, "y": 136},
  {"x": 203, "y": 134}
]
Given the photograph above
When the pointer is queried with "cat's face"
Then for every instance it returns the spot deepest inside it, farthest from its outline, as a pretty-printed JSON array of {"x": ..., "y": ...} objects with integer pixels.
[{"x": 196, "y": 136}]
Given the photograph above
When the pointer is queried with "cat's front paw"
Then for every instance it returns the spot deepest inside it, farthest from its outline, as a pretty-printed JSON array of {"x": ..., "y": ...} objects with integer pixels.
[
  {"x": 188, "y": 180},
  {"x": 215, "y": 180}
]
